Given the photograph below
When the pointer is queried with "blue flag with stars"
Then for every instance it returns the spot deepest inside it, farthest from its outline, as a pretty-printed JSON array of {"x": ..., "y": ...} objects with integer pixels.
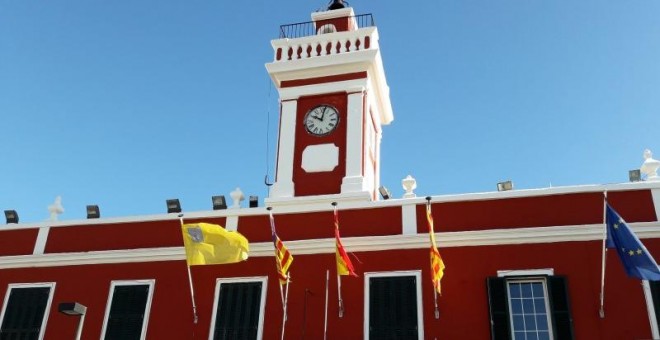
[{"x": 635, "y": 258}]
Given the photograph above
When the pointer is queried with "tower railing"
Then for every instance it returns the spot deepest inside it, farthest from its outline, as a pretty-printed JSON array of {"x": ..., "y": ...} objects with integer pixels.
[{"x": 306, "y": 29}]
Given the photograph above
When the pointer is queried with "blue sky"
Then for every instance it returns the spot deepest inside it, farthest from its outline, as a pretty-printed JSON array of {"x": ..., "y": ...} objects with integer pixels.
[{"x": 125, "y": 104}]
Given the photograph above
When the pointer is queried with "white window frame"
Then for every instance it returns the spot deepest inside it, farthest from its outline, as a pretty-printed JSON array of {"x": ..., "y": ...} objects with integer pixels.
[
  {"x": 44, "y": 322},
  {"x": 418, "y": 283},
  {"x": 147, "y": 309},
  {"x": 262, "y": 304},
  {"x": 546, "y": 298}
]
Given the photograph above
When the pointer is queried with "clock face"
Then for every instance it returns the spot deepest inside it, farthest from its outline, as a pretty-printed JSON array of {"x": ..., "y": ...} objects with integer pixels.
[{"x": 321, "y": 120}]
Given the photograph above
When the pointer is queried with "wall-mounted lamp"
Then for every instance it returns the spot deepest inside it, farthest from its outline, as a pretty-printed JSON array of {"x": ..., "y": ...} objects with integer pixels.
[
  {"x": 11, "y": 216},
  {"x": 384, "y": 193},
  {"x": 505, "y": 186},
  {"x": 219, "y": 202},
  {"x": 93, "y": 211},
  {"x": 635, "y": 175},
  {"x": 173, "y": 206},
  {"x": 254, "y": 201},
  {"x": 74, "y": 309}
]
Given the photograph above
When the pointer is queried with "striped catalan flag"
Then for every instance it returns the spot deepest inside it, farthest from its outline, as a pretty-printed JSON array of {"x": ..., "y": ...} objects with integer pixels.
[
  {"x": 283, "y": 257},
  {"x": 344, "y": 264},
  {"x": 437, "y": 265}
]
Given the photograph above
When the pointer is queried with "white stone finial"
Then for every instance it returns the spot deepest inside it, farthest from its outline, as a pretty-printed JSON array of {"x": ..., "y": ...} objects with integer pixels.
[
  {"x": 650, "y": 167},
  {"x": 409, "y": 184},
  {"x": 237, "y": 196},
  {"x": 56, "y": 208}
]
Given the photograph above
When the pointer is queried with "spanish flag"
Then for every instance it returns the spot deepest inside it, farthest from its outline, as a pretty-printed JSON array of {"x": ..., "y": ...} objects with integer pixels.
[
  {"x": 283, "y": 257},
  {"x": 437, "y": 265},
  {"x": 344, "y": 264},
  {"x": 207, "y": 243}
]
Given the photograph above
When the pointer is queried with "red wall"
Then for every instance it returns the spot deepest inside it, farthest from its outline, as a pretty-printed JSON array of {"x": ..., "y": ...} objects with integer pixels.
[
  {"x": 131, "y": 235},
  {"x": 18, "y": 242},
  {"x": 539, "y": 211},
  {"x": 463, "y": 306}
]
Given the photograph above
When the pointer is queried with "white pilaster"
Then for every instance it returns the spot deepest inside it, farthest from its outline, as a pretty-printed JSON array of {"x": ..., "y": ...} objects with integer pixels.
[
  {"x": 354, "y": 179},
  {"x": 40, "y": 244},
  {"x": 283, "y": 186},
  {"x": 655, "y": 193},
  {"x": 409, "y": 219},
  {"x": 232, "y": 223}
]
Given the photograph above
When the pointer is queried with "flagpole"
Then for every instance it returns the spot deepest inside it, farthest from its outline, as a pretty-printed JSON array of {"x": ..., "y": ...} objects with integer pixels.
[
  {"x": 435, "y": 292},
  {"x": 601, "y": 310},
  {"x": 192, "y": 290},
  {"x": 341, "y": 303},
  {"x": 286, "y": 300},
  {"x": 325, "y": 322}
]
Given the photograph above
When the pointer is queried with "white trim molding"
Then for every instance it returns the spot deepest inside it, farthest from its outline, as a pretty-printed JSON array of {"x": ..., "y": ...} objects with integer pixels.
[
  {"x": 262, "y": 304},
  {"x": 526, "y": 272},
  {"x": 51, "y": 292},
  {"x": 494, "y": 237},
  {"x": 418, "y": 285},
  {"x": 147, "y": 307}
]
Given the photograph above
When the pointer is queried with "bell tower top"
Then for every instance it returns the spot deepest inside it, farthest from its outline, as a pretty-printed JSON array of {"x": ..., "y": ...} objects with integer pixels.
[
  {"x": 338, "y": 18},
  {"x": 334, "y": 100}
]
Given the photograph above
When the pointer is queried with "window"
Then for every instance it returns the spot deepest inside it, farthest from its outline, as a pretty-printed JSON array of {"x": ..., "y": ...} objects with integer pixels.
[
  {"x": 24, "y": 313},
  {"x": 529, "y": 307},
  {"x": 238, "y": 308},
  {"x": 127, "y": 312},
  {"x": 393, "y": 306}
]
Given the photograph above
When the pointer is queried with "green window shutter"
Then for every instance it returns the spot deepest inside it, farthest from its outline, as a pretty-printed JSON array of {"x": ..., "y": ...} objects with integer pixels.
[
  {"x": 393, "y": 308},
  {"x": 655, "y": 293},
  {"x": 24, "y": 313},
  {"x": 498, "y": 305},
  {"x": 127, "y": 309},
  {"x": 560, "y": 308},
  {"x": 237, "y": 315}
]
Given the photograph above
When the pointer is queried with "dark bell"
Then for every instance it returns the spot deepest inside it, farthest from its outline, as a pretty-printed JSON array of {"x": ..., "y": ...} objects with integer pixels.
[{"x": 336, "y": 4}]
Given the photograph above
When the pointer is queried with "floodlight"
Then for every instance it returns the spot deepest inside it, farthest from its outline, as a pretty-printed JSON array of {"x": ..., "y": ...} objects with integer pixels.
[
  {"x": 384, "y": 192},
  {"x": 173, "y": 206},
  {"x": 93, "y": 211},
  {"x": 219, "y": 202},
  {"x": 11, "y": 216},
  {"x": 505, "y": 186}
]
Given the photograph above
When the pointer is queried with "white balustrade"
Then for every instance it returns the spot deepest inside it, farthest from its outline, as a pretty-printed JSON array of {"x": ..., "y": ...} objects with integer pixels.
[{"x": 317, "y": 45}]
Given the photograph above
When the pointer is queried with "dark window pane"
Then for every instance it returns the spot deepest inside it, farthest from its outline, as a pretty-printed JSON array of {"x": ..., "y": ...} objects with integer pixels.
[
  {"x": 542, "y": 322},
  {"x": 539, "y": 305},
  {"x": 127, "y": 309},
  {"x": 516, "y": 306},
  {"x": 514, "y": 290},
  {"x": 237, "y": 315},
  {"x": 393, "y": 308},
  {"x": 528, "y": 306}
]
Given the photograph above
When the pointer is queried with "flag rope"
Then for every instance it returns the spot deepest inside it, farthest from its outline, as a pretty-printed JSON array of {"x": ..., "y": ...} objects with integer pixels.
[
  {"x": 192, "y": 290},
  {"x": 601, "y": 310}
]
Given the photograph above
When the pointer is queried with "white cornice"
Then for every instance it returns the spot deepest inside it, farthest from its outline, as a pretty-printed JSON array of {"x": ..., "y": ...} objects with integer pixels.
[{"x": 578, "y": 233}]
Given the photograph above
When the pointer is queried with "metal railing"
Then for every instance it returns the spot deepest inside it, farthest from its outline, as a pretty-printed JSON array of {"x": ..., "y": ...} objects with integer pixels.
[{"x": 306, "y": 29}]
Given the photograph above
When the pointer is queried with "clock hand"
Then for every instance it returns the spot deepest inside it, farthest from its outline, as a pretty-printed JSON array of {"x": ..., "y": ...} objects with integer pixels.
[{"x": 323, "y": 113}]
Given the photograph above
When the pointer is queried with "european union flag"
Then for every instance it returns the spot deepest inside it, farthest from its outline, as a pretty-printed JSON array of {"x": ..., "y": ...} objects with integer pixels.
[{"x": 635, "y": 258}]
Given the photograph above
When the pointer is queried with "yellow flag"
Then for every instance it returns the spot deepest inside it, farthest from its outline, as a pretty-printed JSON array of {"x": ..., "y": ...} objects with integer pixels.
[{"x": 207, "y": 243}]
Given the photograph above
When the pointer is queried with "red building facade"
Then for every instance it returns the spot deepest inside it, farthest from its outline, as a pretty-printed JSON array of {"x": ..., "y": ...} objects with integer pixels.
[{"x": 522, "y": 264}]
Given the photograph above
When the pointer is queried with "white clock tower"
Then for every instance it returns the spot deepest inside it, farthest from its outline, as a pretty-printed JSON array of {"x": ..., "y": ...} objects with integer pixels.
[{"x": 334, "y": 99}]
